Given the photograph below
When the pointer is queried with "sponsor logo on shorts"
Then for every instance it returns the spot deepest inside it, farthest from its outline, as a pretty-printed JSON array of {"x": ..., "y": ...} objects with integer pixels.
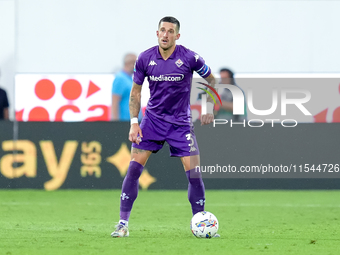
[
  {"x": 192, "y": 149},
  {"x": 192, "y": 143}
]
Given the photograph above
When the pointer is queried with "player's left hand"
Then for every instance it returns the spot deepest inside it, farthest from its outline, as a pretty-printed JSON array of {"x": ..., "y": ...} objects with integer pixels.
[{"x": 207, "y": 119}]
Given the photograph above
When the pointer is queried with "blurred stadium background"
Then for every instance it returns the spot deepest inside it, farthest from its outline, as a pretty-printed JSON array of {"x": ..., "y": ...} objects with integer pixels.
[{"x": 86, "y": 36}]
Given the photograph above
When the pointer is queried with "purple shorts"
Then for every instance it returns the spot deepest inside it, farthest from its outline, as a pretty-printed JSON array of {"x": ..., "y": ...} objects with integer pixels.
[{"x": 181, "y": 139}]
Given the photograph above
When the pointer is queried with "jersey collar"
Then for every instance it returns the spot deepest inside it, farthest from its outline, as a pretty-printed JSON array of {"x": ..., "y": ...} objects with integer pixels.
[{"x": 172, "y": 56}]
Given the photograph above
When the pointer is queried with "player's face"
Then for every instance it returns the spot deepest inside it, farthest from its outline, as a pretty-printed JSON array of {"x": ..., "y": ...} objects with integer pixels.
[{"x": 167, "y": 35}]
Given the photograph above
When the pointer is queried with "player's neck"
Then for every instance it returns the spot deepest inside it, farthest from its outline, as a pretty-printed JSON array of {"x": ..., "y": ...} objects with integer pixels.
[{"x": 166, "y": 53}]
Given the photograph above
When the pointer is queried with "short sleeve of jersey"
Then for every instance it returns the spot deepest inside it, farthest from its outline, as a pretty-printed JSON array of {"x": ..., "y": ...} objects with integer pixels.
[
  {"x": 139, "y": 71},
  {"x": 198, "y": 64}
]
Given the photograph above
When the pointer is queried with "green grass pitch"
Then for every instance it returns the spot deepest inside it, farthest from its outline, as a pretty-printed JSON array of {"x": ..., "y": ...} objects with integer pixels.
[{"x": 251, "y": 222}]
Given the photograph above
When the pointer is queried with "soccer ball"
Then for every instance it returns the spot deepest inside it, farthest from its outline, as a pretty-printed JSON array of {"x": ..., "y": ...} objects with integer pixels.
[{"x": 204, "y": 225}]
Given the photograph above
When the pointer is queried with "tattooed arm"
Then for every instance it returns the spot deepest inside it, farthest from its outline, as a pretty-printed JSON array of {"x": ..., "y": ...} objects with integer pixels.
[
  {"x": 134, "y": 106},
  {"x": 135, "y": 97}
]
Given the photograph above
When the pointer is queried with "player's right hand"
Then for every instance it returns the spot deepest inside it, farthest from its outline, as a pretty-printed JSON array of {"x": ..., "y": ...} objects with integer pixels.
[
  {"x": 135, "y": 134},
  {"x": 207, "y": 119}
]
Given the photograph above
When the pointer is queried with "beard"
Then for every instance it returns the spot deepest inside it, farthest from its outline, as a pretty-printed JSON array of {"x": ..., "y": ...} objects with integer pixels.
[{"x": 163, "y": 47}]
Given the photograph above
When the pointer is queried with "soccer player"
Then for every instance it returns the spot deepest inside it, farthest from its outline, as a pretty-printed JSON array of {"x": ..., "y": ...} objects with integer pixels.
[{"x": 169, "y": 68}]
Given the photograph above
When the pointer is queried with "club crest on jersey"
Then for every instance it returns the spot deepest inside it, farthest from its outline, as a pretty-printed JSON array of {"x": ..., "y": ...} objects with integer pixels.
[{"x": 179, "y": 62}]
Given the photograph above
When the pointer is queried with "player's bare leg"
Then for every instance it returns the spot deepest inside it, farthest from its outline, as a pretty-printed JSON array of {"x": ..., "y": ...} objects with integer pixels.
[
  {"x": 190, "y": 162},
  {"x": 130, "y": 189},
  {"x": 140, "y": 156}
]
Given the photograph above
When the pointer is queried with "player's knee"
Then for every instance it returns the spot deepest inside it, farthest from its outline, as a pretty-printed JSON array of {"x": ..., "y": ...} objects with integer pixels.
[
  {"x": 140, "y": 157},
  {"x": 190, "y": 162}
]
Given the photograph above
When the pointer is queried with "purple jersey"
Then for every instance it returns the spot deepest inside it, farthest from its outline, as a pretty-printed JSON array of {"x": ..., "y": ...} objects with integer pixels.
[{"x": 169, "y": 82}]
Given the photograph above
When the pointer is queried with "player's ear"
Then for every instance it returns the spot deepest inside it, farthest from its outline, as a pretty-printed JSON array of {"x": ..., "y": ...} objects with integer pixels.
[
  {"x": 178, "y": 36},
  {"x": 157, "y": 33}
]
